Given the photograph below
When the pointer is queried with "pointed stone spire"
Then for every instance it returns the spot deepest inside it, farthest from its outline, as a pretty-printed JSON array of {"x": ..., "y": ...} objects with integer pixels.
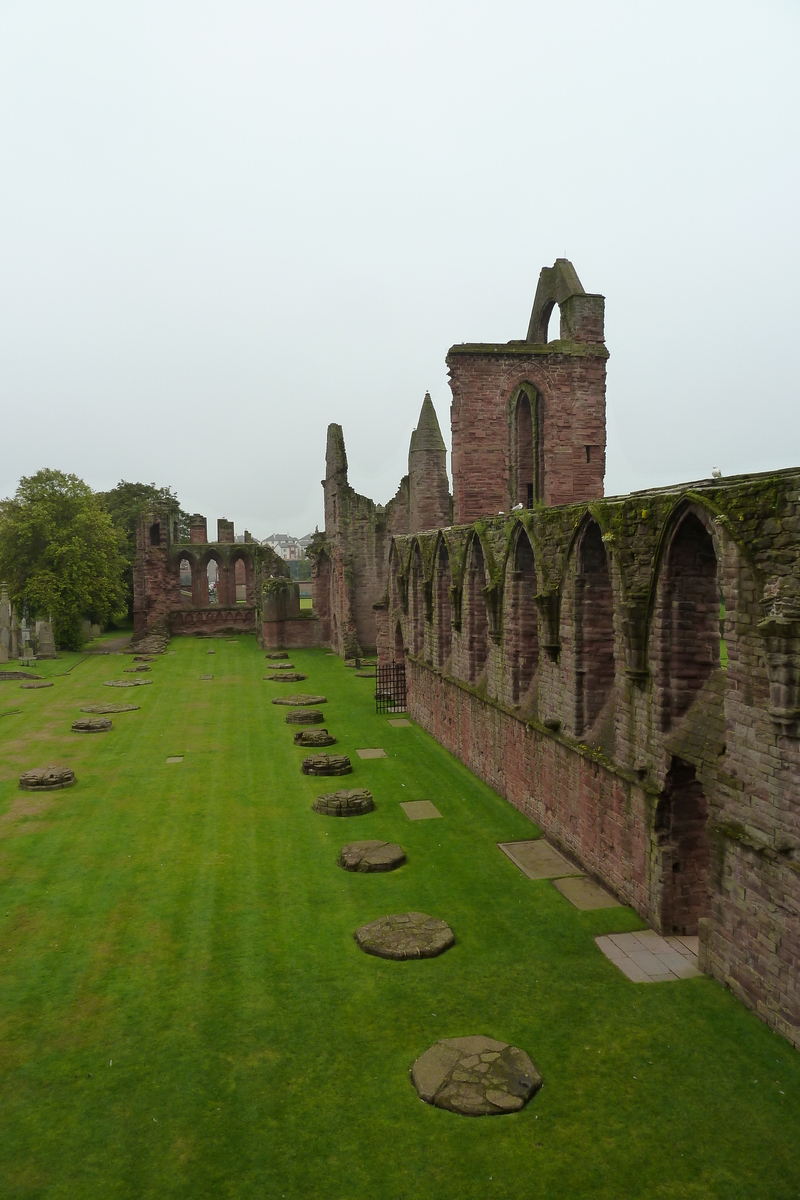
[{"x": 429, "y": 489}]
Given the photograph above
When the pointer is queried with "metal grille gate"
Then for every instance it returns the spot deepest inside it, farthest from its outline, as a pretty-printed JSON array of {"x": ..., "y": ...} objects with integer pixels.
[{"x": 390, "y": 687}]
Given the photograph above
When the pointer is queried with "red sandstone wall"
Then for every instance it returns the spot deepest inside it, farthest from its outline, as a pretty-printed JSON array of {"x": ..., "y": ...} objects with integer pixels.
[
  {"x": 572, "y": 392},
  {"x": 299, "y": 633},
  {"x": 598, "y": 817}
]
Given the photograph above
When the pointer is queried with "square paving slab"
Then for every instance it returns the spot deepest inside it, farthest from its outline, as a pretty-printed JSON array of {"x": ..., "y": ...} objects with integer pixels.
[
  {"x": 646, "y": 957},
  {"x": 400, "y": 723},
  {"x": 371, "y": 753},
  {"x": 420, "y": 810},
  {"x": 206, "y": 676},
  {"x": 175, "y": 758},
  {"x": 585, "y": 893},
  {"x": 538, "y": 859}
]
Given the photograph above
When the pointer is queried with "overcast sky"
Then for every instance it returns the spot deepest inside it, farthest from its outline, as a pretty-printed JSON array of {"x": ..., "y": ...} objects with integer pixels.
[{"x": 223, "y": 225}]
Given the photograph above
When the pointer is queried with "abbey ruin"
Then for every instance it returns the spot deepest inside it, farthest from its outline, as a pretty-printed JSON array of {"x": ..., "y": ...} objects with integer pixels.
[{"x": 624, "y": 670}]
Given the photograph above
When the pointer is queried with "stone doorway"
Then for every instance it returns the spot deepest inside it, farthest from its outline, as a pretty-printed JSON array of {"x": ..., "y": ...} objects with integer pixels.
[{"x": 682, "y": 829}]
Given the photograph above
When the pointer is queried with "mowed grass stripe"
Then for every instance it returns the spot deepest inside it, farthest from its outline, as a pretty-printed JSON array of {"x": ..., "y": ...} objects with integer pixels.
[{"x": 256, "y": 1050}]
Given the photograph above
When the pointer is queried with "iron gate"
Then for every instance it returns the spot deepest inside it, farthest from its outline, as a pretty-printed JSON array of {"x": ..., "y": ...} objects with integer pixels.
[{"x": 390, "y": 687}]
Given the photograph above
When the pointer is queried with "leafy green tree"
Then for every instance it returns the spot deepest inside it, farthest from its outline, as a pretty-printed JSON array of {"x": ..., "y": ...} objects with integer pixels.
[
  {"x": 126, "y": 503},
  {"x": 61, "y": 554}
]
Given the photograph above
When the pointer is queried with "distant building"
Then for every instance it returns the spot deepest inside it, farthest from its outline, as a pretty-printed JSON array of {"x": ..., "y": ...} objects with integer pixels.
[{"x": 290, "y": 549}]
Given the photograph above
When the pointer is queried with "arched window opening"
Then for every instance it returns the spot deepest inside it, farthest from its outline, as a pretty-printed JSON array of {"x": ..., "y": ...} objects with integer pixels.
[
  {"x": 240, "y": 573},
  {"x": 523, "y": 635},
  {"x": 525, "y": 448},
  {"x": 399, "y": 648},
  {"x": 213, "y": 576},
  {"x": 185, "y": 569},
  {"x": 444, "y": 608},
  {"x": 594, "y": 631},
  {"x": 477, "y": 619},
  {"x": 155, "y": 534},
  {"x": 554, "y": 324},
  {"x": 688, "y": 619},
  {"x": 682, "y": 829},
  {"x": 417, "y": 604}
]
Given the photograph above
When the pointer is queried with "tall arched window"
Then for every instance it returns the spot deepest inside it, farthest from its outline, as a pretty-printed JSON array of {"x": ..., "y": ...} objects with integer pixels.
[
  {"x": 240, "y": 577},
  {"x": 687, "y": 619},
  {"x": 525, "y": 447},
  {"x": 444, "y": 607},
  {"x": 187, "y": 597},
  {"x": 213, "y": 576},
  {"x": 399, "y": 649},
  {"x": 417, "y": 604},
  {"x": 594, "y": 630},
  {"x": 523, "y": 623},
  {"x": 477, "y": 619}
]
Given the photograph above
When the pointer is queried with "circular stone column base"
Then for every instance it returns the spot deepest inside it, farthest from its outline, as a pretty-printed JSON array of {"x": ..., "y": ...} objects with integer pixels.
[
  {"x": 350, "y": 803},
  {"x": 371, "y": 856},
  {"x": 327, "y": 764},
  {"x": 47, "y": 779},
  {"x": 289, "y": 677},
  {"x": 405, "y": 935},
  {"x": 298, "y": 700},
  {"x": 476, "y": 1076},
  {"x": 277, "y": 654},
  {"x": 313, "y": 737},
  {"x": 92, "y": 725},
  {"x": 110, "y": 708},
  {"x": 304, "y": 716},
  {"x": 135, "y": 670}
]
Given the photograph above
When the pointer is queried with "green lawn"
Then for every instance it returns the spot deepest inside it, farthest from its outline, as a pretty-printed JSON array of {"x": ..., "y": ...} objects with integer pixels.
[{"x": 184, "y": 1011}]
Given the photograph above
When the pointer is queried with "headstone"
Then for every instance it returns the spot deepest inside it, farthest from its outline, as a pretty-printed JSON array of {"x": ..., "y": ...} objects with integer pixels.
[
  {"x": 405, "y": 935},
  {"x": 5, "y": 624},
  {"x": 14, "y": 648},
  {"x": 45, "y": 643},
  {"x": 476, "y": 1076}
]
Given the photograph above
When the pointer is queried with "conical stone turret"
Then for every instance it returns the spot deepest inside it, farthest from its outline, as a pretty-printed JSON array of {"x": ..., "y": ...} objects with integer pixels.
[{"x": 429, "y": 489}]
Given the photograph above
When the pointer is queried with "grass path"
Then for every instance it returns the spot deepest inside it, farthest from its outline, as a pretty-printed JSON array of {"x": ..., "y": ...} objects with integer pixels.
[{"x": 188, "y": 924}]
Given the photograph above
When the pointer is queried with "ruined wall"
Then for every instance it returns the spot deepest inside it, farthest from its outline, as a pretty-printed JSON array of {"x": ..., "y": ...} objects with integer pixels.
[
  {"x": 161, "y": 603},
  {"x": 350, "y": 561},
  {"x": 657, "y": 736},
  {"x": 562, "y": 382}
]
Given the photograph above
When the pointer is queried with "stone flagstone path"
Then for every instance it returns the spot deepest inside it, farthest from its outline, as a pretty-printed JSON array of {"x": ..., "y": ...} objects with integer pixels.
[{"x": 646, "y": 957}]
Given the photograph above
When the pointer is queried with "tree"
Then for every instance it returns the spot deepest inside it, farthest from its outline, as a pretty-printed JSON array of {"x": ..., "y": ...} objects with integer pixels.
[
  {"x": 125, "y": 504},
  {"x": 61, "y": 554}
]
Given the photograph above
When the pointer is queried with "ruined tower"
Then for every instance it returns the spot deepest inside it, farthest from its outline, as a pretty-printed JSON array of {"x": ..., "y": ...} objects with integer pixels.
[
  {"x": 428, "y": 485},
  {"x": 528, "y": 417}
]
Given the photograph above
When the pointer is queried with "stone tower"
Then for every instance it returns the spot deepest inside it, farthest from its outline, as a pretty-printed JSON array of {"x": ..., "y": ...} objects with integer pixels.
[
  {"x": 428, "y": 485},
  {"x": 529, "y": 417}
]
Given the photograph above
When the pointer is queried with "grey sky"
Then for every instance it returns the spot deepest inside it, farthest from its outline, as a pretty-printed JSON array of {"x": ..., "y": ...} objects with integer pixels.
[{"x": 224, "y": 225}]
